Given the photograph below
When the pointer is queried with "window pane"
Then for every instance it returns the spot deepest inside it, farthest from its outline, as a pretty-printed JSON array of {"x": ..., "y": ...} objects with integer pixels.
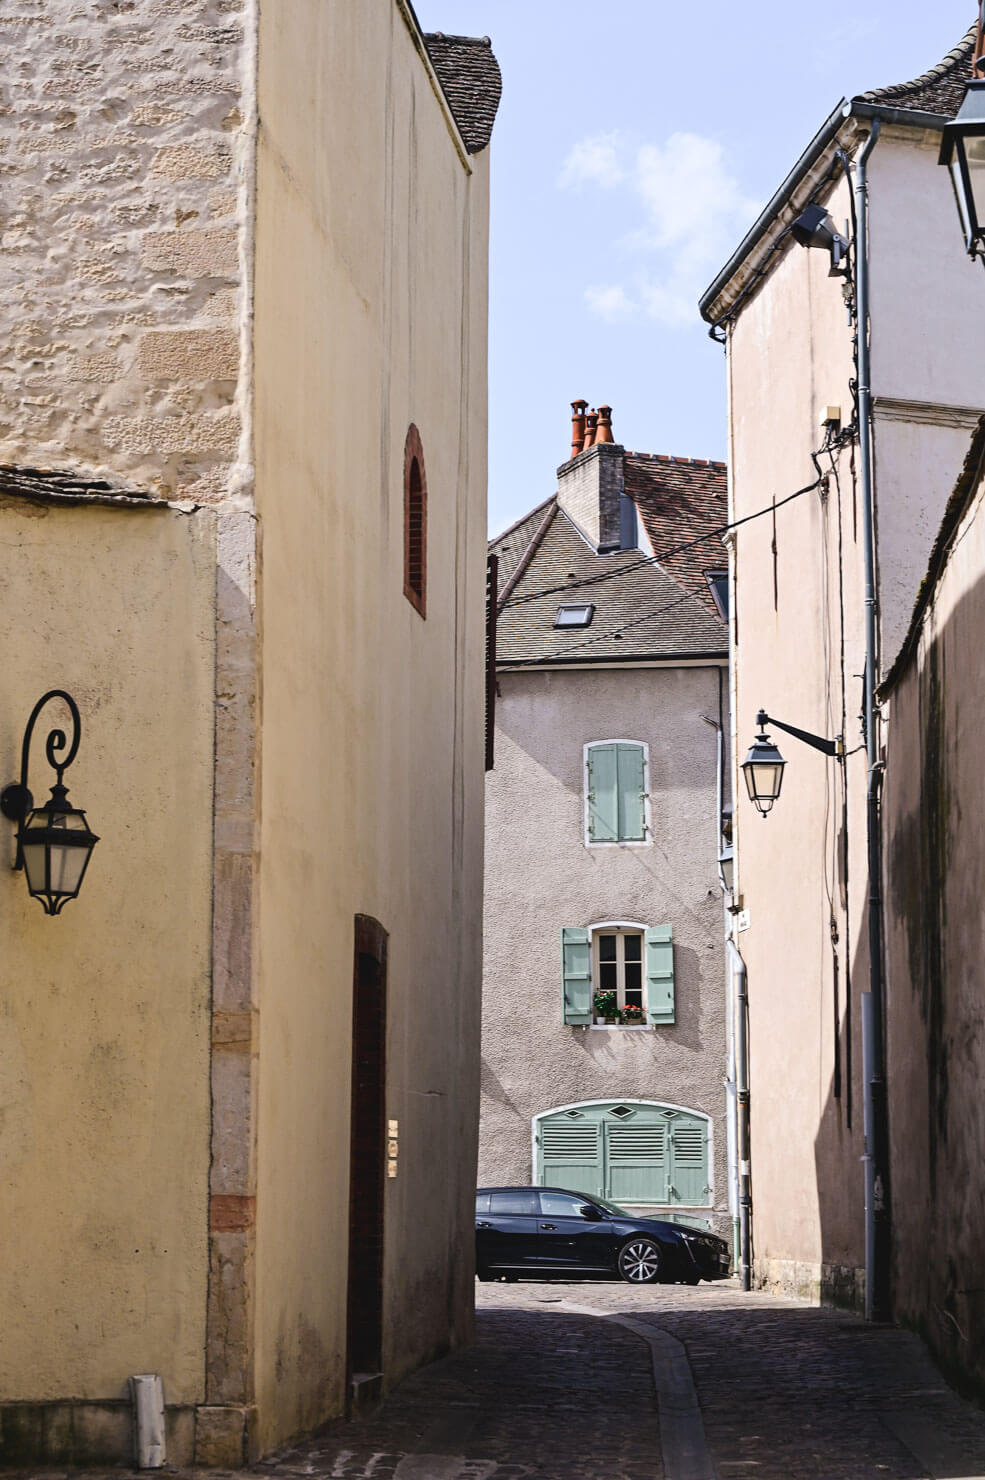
[
  {"x": 634, "y": 947},
  {"x": 634, "y": 997},
  {"x": 607, "y": 947},
  {"x": 481, "y": 1202},
  {"x": 608, "y": 976},
  {"x": 515, "y": 1203},
  {"x": 560, "y": 1205}
]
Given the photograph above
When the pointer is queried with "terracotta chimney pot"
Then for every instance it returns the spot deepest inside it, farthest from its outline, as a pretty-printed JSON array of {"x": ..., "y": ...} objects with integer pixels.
[
  {"x": 578, "y": 426},
  {"x": 604, "y": 433},
  {"x": 592, "y": 420}
]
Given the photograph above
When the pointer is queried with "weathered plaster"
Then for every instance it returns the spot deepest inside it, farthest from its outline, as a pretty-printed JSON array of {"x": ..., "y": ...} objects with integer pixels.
[{"x": 540, "y": 877}]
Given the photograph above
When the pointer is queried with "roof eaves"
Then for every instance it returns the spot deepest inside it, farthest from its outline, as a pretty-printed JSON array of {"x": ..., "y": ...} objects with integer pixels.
[
  {"x": 790, "y": 198},
  {"x": 413, "y": 25}
]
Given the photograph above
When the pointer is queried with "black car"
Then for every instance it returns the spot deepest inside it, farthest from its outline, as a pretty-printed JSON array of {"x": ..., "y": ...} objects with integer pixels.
[{"x": 544, "y": 1231}]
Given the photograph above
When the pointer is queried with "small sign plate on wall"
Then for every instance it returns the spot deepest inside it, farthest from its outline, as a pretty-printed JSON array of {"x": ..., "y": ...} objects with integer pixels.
[
  {"x": 742, "y": 920},
  {"x": 392, "y": 1147}
]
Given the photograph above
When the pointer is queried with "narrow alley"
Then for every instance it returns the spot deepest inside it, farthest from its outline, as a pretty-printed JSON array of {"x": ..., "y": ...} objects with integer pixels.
[{"x": 576, "y": 1381}]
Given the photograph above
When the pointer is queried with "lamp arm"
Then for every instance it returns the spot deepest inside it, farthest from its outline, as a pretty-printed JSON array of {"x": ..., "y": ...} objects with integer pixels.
[
  {"x": 818, "y": 742},
  {"x": 16, "y": 801}
]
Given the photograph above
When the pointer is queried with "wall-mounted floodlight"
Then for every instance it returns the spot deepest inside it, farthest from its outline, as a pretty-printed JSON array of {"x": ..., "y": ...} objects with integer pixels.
[{"x": 815, "y": 228}]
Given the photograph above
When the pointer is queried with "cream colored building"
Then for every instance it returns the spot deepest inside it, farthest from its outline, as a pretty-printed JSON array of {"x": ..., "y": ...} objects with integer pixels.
[
  {"x": 798, "y": 625},
  {"x": 242, "y": 504}
]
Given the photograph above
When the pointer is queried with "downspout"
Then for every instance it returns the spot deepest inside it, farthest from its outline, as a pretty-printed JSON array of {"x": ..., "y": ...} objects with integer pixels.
[
  {"x": 877, "y": 1228},
  {"x": 742, "y": 1096},
  {"x": 731, "y": 1117}
]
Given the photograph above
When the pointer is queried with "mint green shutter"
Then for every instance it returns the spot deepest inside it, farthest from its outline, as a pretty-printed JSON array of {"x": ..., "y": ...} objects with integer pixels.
[
  {"x": 632, "y": 815},
  {"x": 603, "y": 794},
  {"x": 636, "y": 1157},
  {"x": 688, "y": 1162},
  {"x": 569, "y": 1153},
  {"x": 660, "y": 974},
  {"x": 576, "y": 973}
]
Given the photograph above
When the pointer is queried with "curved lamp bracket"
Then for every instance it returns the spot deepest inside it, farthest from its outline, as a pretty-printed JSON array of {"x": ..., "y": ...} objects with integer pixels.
[{"x": 16, "y": 800}]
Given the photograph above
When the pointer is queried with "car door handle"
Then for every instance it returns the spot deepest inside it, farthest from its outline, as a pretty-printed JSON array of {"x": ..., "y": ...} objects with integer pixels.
[
  {"x": 550, "y": 1227},
  {"x": 479, "y": 1224}
]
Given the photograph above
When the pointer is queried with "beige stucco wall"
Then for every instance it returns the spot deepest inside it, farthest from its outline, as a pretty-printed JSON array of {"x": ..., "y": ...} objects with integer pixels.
[
  {"x": 541, "y": 877},
  {"x": 789, "y": 357},
  {"x": 370, "y": 314},
  {"x": 104, "y": 1024},
  {"x": 935, "y": 942}
]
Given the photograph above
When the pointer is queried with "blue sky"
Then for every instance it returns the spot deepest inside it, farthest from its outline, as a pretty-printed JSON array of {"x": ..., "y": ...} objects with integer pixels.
[{"x": 635, "y": 143}]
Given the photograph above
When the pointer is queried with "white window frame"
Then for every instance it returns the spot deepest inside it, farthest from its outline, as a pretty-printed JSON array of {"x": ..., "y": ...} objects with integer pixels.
[
  {"x": 618, "y": 927},
  {"x": 647, "y": 840},
  {"x": 709, "y": 1120}
]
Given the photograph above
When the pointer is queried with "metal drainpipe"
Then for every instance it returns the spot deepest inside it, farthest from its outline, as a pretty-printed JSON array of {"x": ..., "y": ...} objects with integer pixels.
[
  {"x": 874, "y": 1085},
  {"x": 742, "y": 1095},
  {"x": 731, "y": 1116}
]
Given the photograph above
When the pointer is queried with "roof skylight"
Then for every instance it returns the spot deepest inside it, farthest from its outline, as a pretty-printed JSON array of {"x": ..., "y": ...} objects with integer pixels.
[{"x": 575, "y": 616}]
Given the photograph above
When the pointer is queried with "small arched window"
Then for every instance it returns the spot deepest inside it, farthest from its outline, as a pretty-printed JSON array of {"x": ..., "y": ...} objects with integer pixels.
[{"x": 415, "y": 522}]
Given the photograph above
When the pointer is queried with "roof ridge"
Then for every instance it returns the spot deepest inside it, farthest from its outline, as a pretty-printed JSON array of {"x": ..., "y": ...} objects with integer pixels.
[
  {"x": 694, "y": 462},
  {"x": 523, "y": 519},
  {"x": 949, "y": 63},
  {"x": 447, "y": 36},
  {"x": 523, "y": 563}
]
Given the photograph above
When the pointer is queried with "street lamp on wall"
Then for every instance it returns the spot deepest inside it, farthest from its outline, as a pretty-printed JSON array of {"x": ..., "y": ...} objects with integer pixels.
[
  {"x": 763, "y": 766},
  {"x": 54, "y": 842},
  {"x": 963, "y": 151}
]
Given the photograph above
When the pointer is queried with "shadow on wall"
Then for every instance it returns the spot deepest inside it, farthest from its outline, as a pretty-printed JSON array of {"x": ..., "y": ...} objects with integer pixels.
[
  {"x": 492, "y": 1087},
  {"x": 934, "y": 865}
]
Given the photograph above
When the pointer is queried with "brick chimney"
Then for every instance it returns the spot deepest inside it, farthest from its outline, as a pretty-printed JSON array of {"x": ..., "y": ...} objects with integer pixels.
[{"x": 591, "y": 486}]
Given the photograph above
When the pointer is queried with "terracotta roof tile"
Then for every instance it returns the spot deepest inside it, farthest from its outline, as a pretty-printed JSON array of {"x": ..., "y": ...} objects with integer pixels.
[
  {"x": 680, "y": 499},
  {"x": 471, "y": 81},
  {"x": 939, "y": 90}
]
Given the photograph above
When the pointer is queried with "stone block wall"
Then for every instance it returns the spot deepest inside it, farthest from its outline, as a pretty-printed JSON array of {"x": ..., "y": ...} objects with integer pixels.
[{"x": 125, "y": 150}]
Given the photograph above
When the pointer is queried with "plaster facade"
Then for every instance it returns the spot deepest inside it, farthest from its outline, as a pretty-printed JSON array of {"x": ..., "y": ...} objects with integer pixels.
[
  {"x": 209, "y": 318},
  {"x": 541, "y": 877},
  {"x": 935, "y": 874},
  {"x": 798, "y": 646}
]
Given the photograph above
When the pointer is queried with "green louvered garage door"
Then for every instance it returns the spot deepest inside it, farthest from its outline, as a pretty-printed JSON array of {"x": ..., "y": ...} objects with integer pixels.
[{"x": 625, "y": 1150}]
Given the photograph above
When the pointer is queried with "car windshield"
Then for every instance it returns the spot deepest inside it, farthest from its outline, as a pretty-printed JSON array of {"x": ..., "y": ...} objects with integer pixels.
[{"x": 611, "y": 1207}]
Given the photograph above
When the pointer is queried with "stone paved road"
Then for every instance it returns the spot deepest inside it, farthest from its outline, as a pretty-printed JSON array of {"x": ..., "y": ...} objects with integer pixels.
[{"x": 558, "y": 1388}]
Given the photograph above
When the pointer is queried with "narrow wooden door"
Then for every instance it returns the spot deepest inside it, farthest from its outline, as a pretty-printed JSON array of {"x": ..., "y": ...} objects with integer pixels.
[{"x": 367, "y": 1158}]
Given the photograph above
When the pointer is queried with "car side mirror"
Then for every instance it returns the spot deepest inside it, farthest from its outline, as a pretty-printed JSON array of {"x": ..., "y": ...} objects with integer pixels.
[{"x": 590, "y": 1214}]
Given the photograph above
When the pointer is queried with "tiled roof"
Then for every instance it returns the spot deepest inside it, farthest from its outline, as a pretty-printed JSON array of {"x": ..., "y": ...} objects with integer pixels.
[
  {"x": 941, "y": 90},
  {"x": 679, "y": 499},
  {"x": 515, "y": 543},
  {"x": 471, "y": 81},
  {"x": 644, "y": 613}
]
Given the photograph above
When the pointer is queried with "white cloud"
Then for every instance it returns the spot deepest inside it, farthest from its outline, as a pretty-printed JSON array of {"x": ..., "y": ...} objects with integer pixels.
[
  {"x": 690, "y": 212},
  {"x": 595, "y": 161},
  {"x": 610, "y": 303}
]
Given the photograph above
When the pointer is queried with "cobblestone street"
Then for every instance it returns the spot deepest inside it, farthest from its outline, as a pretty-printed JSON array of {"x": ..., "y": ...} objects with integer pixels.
[
  {"x": 570, "y": 1381},
  {"x": 558, "y": 1388}
]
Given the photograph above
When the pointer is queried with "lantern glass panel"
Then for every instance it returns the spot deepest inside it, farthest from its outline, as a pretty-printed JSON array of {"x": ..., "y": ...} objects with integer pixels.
[{"x": 34, "y": 866}]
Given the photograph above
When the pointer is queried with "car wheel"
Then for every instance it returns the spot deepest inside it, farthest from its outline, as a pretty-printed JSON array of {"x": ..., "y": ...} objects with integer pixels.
[
  {"x": 639, "y": 1261},
  {"x": 483, "y": 1274}
]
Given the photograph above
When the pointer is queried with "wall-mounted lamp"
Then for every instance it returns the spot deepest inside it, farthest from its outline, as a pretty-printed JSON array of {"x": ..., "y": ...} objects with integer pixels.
[
  {"x": 963, "y": 151},
  {"x": 815, "y": 228},
  {"x": 54, "y": 843},
  {"x": 763, "y": 766},
  {"x": 726, "y": 867}
]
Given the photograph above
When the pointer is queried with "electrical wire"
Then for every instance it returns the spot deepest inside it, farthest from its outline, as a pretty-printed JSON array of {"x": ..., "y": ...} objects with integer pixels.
[
  {"x": 611, "y": 575},
  {"x": 601, "y": 636}
]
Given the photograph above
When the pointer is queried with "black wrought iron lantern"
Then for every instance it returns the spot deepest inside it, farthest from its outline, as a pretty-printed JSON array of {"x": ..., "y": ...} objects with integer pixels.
[
  {"x": 963, "y": 151},
  {"x": 54, "y": 842},
  {"x": 763, "y": 769}
]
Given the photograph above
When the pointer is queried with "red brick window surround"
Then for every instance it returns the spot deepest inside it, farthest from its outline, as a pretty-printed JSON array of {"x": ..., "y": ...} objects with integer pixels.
[{"x": 415, "y": 522}]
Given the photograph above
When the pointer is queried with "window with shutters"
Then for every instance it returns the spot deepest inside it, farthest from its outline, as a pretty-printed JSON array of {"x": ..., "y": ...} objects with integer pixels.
[
  {"x": 415, "y": 522},
  {"x": 635, "y": 1152},
  {"x": 617, "y": 803},
  {"x": 617, "y": 974}
]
